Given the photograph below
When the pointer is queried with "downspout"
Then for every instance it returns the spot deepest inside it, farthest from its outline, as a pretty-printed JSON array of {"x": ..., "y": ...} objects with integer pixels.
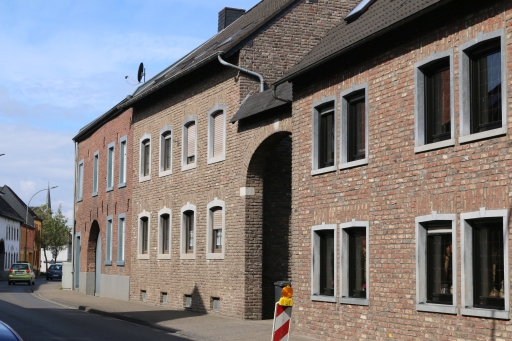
[
  {"x": 74, "y": 224},
  {"x": 274, "y": 88},
  {"x": 254, "y": 74}
]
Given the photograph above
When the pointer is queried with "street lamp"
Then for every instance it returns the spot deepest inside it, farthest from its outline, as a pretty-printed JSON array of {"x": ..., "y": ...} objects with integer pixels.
[{"x": 26, "y": 218}]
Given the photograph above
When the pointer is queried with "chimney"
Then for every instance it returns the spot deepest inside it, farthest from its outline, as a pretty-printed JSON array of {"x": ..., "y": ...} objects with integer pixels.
[{"x": 228, "y": 15}]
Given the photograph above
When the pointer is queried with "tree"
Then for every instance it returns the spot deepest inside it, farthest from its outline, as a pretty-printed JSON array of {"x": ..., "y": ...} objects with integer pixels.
[{"x": 55, "y": 233}]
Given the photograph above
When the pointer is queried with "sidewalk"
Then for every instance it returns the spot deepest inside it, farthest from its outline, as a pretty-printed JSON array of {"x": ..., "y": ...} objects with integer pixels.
[{"x": 194, "y": 326}]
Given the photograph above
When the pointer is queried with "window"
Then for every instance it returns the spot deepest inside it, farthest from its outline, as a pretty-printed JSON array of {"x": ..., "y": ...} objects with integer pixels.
[
  {"x": 108, "y": 253},
  {"x": 164, "y": 234},
  {"x": 354, "y": 127},
  {"x": 436, "y": 263},
  {"x": 122, "y": 161},
  {"x": 143, "y": 235},
  {"x": 483, "y": 70},
  {"x": 215, "y": 229},
  {"x": 188, "y": 231},
  {"x": 434, "y": 102},
  {"x": 121, "y": 239},
  {"x": 485, "y": 264},
  {"x": 323, "y": 263},
  {"x": 189, "y": 143},
  {"x": 216, "y": 133},
  {"x": 324, "y": 136},
  {"x": 110, "y": 166},
  {"x": 80, "y": 184},
  {"x": 354, "y": 265},
  {"x": 165, "y": 151},
  {"x": 95, "y": 174},
  {"x": 145, "y": 158}
]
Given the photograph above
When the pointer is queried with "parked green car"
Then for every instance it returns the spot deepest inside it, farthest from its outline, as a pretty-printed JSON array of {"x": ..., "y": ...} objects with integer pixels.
[{"x": 22, "y": 272}]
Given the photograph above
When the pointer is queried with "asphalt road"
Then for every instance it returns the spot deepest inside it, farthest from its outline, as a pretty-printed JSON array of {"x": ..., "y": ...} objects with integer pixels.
[{"x": 38, "y": 320}]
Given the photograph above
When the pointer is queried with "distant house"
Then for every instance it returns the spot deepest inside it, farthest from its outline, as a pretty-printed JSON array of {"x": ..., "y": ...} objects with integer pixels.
[{"x": 10, "y": 223}]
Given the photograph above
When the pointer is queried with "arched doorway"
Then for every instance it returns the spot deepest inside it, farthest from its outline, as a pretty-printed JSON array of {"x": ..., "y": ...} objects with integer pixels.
[
  {"x": 268, "y": 215},
  {"x": 94, "y": 255}
]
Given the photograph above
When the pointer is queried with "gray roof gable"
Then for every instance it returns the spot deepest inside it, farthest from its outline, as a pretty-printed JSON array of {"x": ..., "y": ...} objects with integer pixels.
[{"x": 19, "y": 207}]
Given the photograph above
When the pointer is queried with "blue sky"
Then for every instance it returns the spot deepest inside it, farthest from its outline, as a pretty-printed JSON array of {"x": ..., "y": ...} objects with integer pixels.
[{"x": 63, "y": 63}]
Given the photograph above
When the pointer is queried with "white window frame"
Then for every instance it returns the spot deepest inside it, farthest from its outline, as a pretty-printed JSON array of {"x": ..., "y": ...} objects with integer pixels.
[
  {"x": 108, "y": 236},
  {"x": 145, "y": 137},
  {"x": 465, "y": 87},
  {"x": 121, "y": 239},
  {"x": 123, "y": 163},
  {"x": 466, "y": 236},
  {"x": 183, "y": 237},
  {"x": 143, "y": 214},
  {"x": 80, "y": 178},
  {"x": 344, "y": 163},
  {"x": 419, "y": 103},
  {"x": 316, "y": 127},
  {"x": 111, "y": 159},
  {"x": 184, "y": 145},
  {"x": 315, "y": 263},
  {"x": 344, "y": 263},
  {"x": 211, "y": 134},
  {"x": 421, "y": 264},
  {"x": 209, "y": 229},
  {"x": 161, "y": 254},
  {"x": 161, "y": 155},
  {"x": 95, "y": 172}
]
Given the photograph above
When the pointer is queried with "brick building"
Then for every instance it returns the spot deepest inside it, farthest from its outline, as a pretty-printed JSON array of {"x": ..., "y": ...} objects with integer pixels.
[
  {"x": 102, "y": 245},
  {"x": 400, "y": 174}
]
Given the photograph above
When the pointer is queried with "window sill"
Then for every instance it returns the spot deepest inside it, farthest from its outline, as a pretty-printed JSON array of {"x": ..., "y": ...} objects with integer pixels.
[
  {"x": 121, "y": 185},
  {"x": 187, "y": 167},
  {"x": 188, "y": 256},
  {"x": 435, "y": 145},
  {"x": 165, "y": 173},
  {"x": 490, "y": 313},
  {"x": 483, "y": 135},
  {"x": 143, "y": 256},
  {"x": 323, "y": 170},
  {"x": 109, "y": 189},
  {"x": 354, "y": 301},
  {"x": 79, "y": 200},
  {"x": 163, "y": 256},
  {"x": 351, "y": 164},
  {"x": 216, "y": 159},
  {"x": 212, "y": 255},
  {"x": 321, "y": 298},
  {"x": 436, "y": 308},
  {"x": 120, "y": 263},
  {"x": 94, "y": 194},
  {"x": 144, "y": 178},
  {"x": 108, "y": 263}
]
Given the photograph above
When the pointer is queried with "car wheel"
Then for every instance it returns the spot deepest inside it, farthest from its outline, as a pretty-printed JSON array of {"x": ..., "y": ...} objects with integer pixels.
[
  {"x": 47, "y": 278},
  {"x": 51, "y": 279},
  {"x": 13, "y": 282}
]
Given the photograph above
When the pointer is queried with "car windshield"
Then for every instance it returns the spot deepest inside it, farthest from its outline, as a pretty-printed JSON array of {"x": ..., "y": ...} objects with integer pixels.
[
  {"x": 20, "y": 266},
  {"x": 55, "y": 267}
]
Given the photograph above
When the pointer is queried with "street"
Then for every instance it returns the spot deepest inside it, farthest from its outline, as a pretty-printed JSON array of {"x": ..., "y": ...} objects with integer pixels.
[{"x": 38, "y": 320}]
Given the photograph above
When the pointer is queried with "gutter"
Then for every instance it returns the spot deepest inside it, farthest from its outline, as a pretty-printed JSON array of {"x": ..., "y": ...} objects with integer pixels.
[
  {"x": 254, "y": 74},
  {"x": 357, "y": 44}
]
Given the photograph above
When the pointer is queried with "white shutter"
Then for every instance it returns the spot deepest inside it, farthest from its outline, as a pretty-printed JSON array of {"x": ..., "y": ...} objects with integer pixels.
[
  {"x": 191, "y": 140},
  {"x": 217, "y": 219},
  {"x": 218, "y": 134}
]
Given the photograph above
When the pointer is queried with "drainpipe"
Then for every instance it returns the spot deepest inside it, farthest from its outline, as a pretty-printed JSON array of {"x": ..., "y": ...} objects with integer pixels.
[
  {"x": 274, "y": 88},
  {"x": 74, "y": 224},
  {"x": 262, "y": 81}
]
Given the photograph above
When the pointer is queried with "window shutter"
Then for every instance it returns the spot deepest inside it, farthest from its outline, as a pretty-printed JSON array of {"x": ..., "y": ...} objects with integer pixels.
[
  {"x": 218, "y": 134},
  {"x": 217, "y": 219},
  {"x": 191, "y": 140}
]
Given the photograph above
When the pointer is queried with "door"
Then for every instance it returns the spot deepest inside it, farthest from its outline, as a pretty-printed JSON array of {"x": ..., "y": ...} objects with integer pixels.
[
  {"x": 77, "y": 263},
  {"x": 98, "y": 266}
]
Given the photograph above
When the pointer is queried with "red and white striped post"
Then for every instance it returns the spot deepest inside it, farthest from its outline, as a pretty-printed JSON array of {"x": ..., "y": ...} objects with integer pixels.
[{"x": 283, "y": 316}]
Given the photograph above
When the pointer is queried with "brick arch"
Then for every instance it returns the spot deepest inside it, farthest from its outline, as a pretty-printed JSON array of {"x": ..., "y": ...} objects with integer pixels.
[
  {"x": 91, "y": 246},
  {"x": 266, "y": 234}
]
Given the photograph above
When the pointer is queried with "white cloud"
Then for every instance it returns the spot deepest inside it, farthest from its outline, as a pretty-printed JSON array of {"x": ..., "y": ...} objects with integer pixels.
[{"x": 27, "y": 186}]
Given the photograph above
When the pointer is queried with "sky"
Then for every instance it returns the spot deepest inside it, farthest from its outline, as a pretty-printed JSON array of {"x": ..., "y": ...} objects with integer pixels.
[{"x": 63, "y": 63}]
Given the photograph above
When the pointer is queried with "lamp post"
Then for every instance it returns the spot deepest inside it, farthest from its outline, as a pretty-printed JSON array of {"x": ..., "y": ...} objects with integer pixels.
[{"x": 26, "y": 218}]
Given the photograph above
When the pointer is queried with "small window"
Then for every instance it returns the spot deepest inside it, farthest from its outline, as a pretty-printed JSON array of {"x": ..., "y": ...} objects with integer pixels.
[
  {"x": 80, "y": 185},
  {"x": 165, "y": 151},
  {"x": 163, "y": 298},
  {"x": 324, "y": 263},
  {"x": 143, "y": 236},
  {"x": 215, "y": 229},
  {"x": 143, "y": 295},
  {"x": 165, "y": 225},
  {"x": 324, "y": 136},
  {"x": 122, "y": 162},
  {"x": 110, "y": 166},
  {"x": 188, "y": 232},
  {"x": 187, "y": 301},
  {"x": 121, "y": 239},
  {"x": 485, "y": 264},
  {"x": 145, "y": 158},
  {"x": 95, "y": 174},
  {"x": 215, "y": 303},
  {"x": 166, "y": 162},
  {"x": 216, "y": 133},
  {"x": 191, "y": 143},
  {"x": 108, "y": 252}
]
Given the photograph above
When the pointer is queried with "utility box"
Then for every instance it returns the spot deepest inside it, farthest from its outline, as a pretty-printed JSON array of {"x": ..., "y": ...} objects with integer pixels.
[
  {"x": 278, "y": 286},
  {"x": 67, "y": 275}
]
